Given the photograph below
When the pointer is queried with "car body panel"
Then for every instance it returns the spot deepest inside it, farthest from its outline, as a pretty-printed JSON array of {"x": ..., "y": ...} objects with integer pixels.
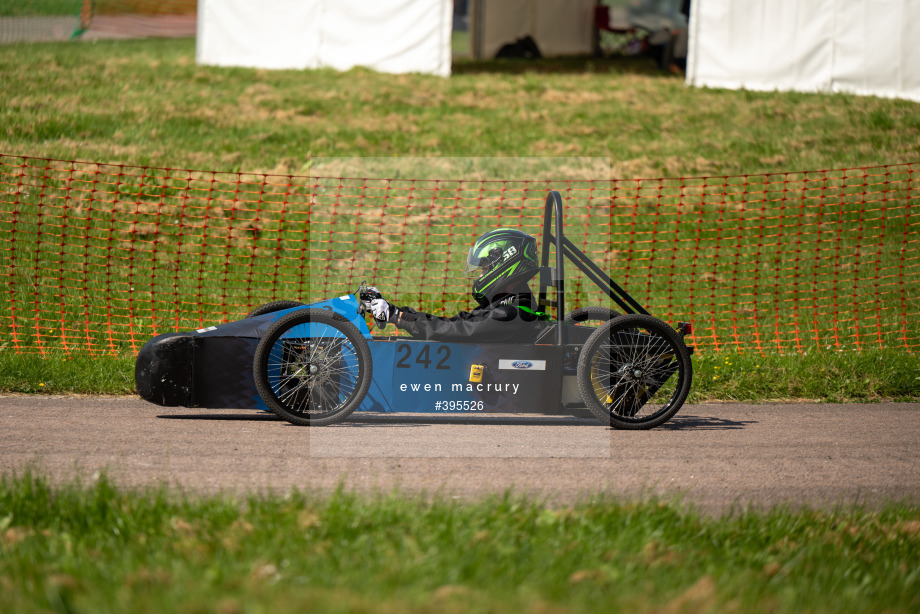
[{"x": 213, "y": 367}]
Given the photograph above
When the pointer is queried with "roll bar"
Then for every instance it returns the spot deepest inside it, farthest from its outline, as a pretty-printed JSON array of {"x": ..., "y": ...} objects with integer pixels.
[{"x": 554, "y": 277}]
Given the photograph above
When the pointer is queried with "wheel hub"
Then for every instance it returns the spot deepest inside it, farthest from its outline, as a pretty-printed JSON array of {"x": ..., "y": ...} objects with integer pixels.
[
  {"x": 317, "y": 374},
  {"x": 631, "y": 371}
]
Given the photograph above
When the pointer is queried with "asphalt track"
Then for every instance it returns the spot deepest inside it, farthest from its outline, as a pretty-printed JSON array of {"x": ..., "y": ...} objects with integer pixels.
[{"x": 715, "y": 456}]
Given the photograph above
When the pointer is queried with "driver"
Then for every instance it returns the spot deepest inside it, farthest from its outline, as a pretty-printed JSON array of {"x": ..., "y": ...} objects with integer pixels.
[{"x": 504, "y": 260}]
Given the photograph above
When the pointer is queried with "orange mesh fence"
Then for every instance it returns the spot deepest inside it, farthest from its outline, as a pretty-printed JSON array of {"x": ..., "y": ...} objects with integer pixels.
[
  {"x": 101, "y": 19},
  {"x": 141, "y": 7},
  {"x": 97, "y": 258},
  {"x": 60, "y": 20}
]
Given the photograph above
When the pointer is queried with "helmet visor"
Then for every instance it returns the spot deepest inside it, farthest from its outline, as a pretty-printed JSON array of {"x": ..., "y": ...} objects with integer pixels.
[
  {"x": 473, "y": 263},
  {"x": 479, "y": 264}
]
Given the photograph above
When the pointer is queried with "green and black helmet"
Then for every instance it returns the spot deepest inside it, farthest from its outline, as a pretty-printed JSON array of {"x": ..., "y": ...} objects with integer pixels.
[{"x": 504, "y": 258}]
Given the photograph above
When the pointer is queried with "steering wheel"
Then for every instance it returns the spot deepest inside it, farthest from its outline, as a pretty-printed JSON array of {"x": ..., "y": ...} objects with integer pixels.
[
  {"x": 360, "y": 294},
  {"x": 364, "y": 305}
]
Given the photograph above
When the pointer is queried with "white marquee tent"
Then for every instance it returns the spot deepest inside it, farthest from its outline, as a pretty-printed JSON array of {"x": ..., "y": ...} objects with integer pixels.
[
  {"x": 393, "y": 36},
  {"x": 857, "y": 46}
]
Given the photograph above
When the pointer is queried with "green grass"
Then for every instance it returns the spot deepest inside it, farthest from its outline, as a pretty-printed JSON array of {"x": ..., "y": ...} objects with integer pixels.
[
  {"x": 99, "y": 548},
  {"x": 460, "y": 43},
  {"x": 29, "y": 8},
  {"x": 148, "y": 103},
  {"x": 61, "y": 374},
  {"x": 870, "y": 375}
]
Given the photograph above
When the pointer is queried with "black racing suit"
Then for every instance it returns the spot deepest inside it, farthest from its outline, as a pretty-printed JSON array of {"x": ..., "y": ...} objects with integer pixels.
[{"x": 510, "y": 318}]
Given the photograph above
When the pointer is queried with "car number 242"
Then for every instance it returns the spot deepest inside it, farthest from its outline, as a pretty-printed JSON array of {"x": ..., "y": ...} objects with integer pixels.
[{"x": 425, "y": 356}]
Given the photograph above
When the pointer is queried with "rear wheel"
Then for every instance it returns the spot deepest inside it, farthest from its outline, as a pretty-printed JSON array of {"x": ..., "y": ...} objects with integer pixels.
[
  {"x": 592, "y": 316},
  {"x": 261, "y": 310},
  {"x": 634, "y": 372},
  {"x": 312, "y": 367}
]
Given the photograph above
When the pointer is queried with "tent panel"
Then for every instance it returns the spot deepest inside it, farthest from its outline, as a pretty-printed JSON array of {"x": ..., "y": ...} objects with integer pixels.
[
  {"x": 859, "y": 46},
  {"x": 386, "y": 35},
  {"x": 760, "y": 45},
  {"x": 501, "y": 22},
  {"x": 564, "y": 27},
  {"x": 393, "y": 36},
  {"x": 235, "y": 33},
  {"x": 559, "y": 27},
  {"x": 876, "y": 51}
]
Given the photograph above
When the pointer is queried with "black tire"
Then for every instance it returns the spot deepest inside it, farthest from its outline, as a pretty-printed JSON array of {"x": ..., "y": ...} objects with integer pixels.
[
  {"x": 339, "y": 366},
  {"x": 592, "y": 316},
  {"x": 651, "y": 365},
  {"x": 261, "y": 310}
]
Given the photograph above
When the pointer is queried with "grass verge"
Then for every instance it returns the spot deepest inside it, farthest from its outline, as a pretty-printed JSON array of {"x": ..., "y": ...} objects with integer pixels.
[
  {"x": 60, "y": 374},
  {"x": 34, "y": 8},
  {"x": 146, "y": 102},
  {"x": 95, "y": 547},
  {"x": 871, "y": 375}
]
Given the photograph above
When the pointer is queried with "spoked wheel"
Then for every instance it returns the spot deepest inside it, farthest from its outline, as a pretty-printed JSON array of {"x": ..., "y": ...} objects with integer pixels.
[
  {"x": 272, "y": 307},
  {"x": 635, "y": 372},
  {"x": 312, "y": 367},
  {"x": 591, "y": 316}
]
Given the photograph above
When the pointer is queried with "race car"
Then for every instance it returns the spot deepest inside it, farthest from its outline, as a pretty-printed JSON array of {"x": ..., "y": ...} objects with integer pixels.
[{"x": 315, "y": 364}]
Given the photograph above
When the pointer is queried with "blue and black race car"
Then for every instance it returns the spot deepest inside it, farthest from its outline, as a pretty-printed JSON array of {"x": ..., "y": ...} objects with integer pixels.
[{"x": 316, "y": 364}]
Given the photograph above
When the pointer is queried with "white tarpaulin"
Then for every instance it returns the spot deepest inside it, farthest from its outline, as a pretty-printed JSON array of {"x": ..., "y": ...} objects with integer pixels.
[
  {"x": 559, "y": 27},
  {"x": 857, "y": 46},
  {"x": 395, "y": 36}
]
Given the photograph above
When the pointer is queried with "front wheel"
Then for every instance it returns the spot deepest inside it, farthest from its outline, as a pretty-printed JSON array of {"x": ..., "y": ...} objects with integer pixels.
[
  {"x": 634, "y": 372},
  {"x": 312, "y": 367},
  {"x": 272, "y": 307}
]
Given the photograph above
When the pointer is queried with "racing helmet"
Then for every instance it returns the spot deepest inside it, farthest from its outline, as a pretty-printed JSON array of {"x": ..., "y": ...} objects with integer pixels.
[{"x": 503, "y": 258}]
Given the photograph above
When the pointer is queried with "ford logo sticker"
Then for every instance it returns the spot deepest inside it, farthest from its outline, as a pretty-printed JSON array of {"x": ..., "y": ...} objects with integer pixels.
[{"x": 522, "y": 364}]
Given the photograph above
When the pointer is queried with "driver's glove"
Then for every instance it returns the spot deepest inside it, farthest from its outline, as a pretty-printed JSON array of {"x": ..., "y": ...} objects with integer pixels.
[
  {"x": 381, "y": 309},
  {"x": 373, "y": 292}
]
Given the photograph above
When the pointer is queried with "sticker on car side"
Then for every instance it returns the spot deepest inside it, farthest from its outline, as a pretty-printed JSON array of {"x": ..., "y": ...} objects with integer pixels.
[{"x": 522, "y": 365}]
